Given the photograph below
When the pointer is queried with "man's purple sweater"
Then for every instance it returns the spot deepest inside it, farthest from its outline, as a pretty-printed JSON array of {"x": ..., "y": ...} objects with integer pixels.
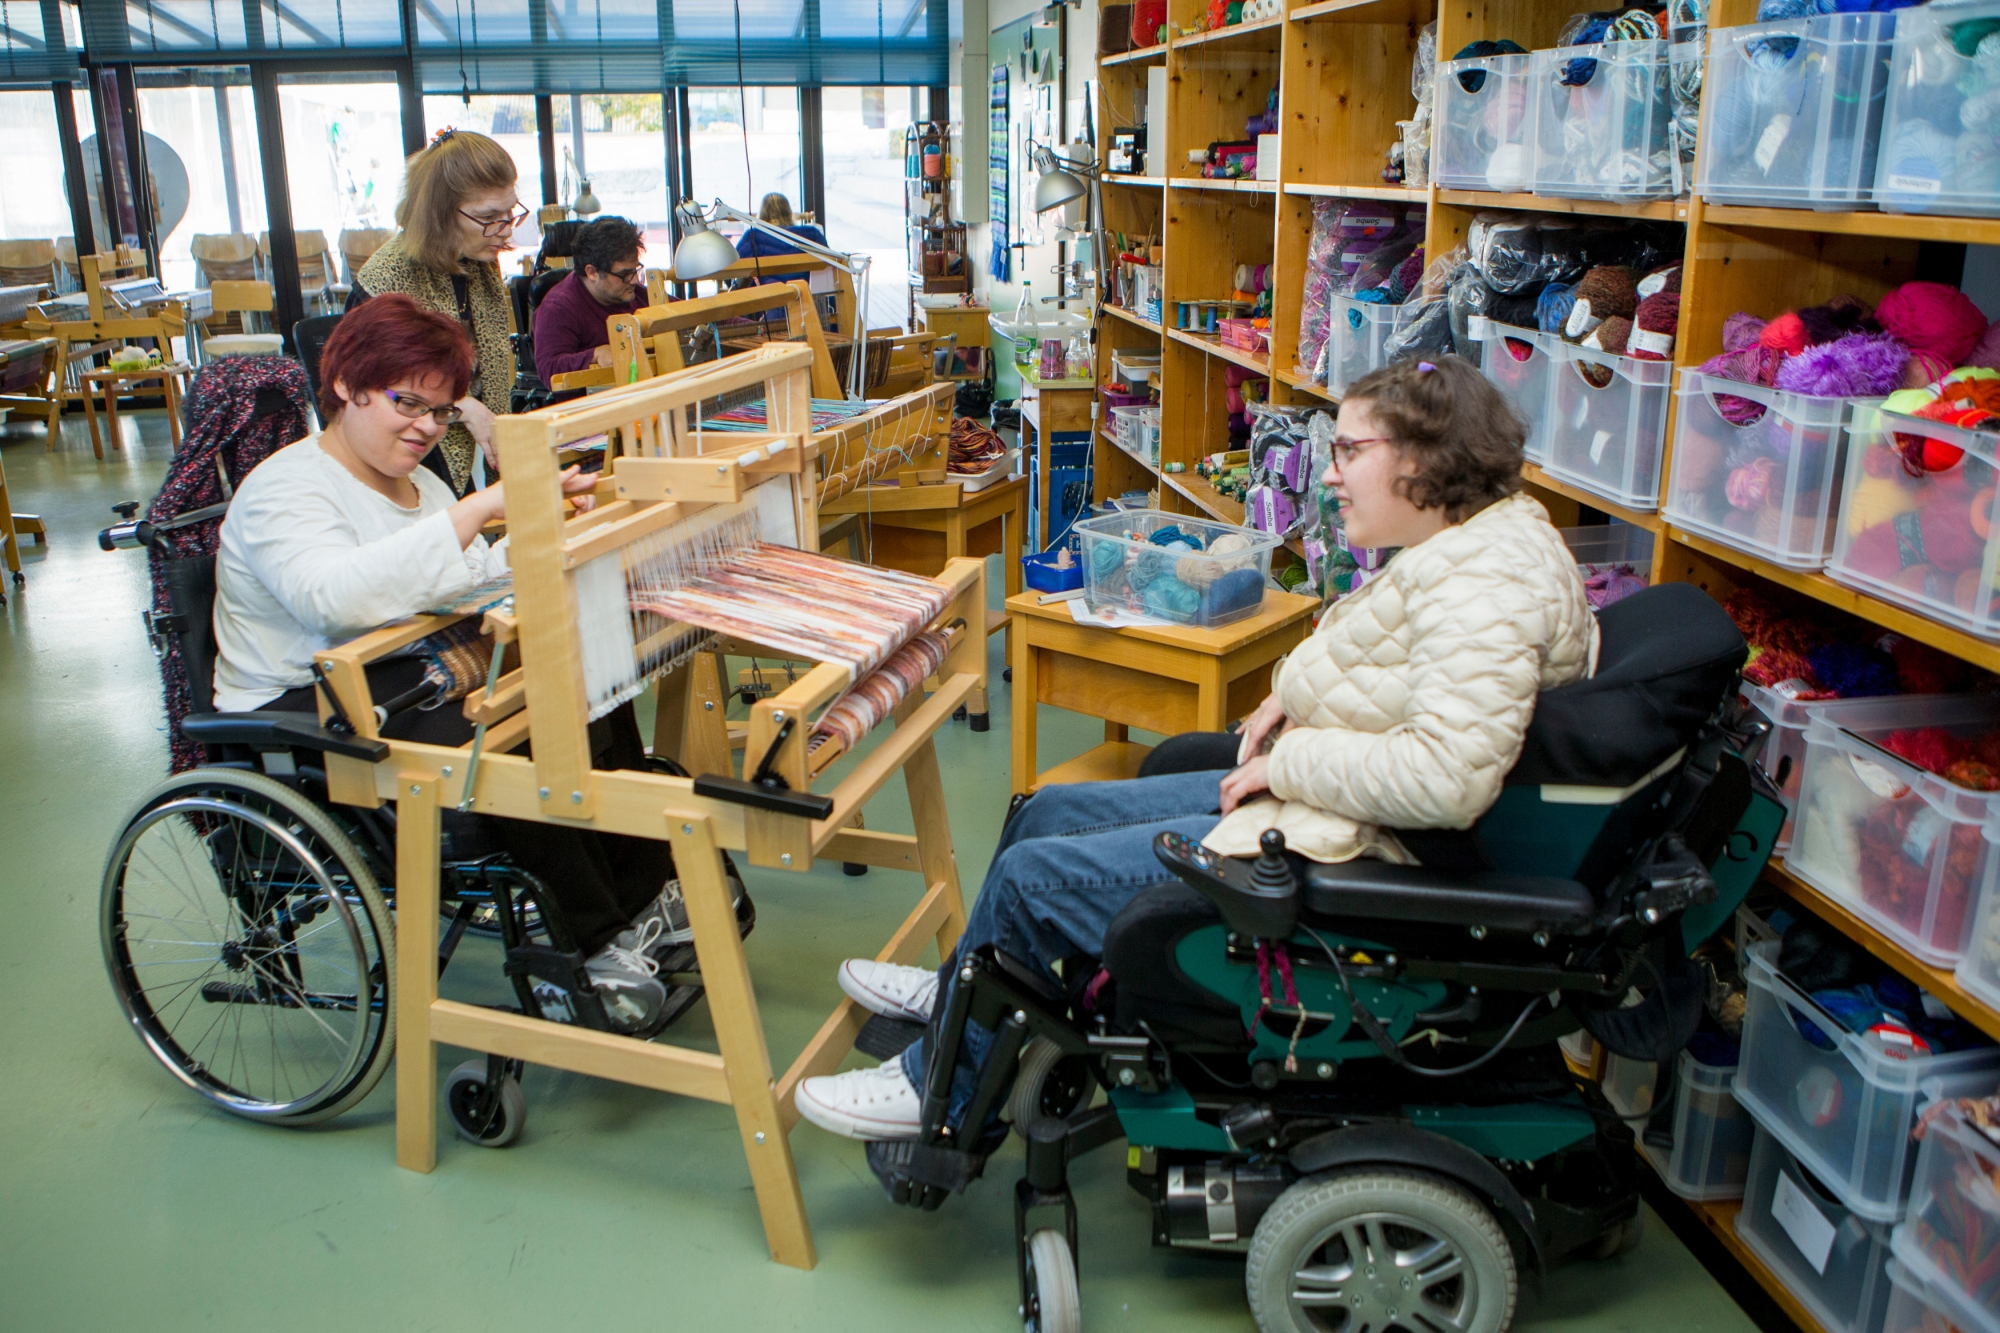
[{"x": 569, "y": 328}]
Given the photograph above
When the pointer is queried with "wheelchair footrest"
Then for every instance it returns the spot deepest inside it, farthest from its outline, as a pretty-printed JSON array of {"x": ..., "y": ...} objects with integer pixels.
[
  {"x": 886, "y": 1038},
  {"x": 920, "y": 1176}
]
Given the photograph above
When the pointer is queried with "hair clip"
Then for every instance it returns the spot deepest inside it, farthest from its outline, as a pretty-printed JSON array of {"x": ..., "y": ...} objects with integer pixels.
[
  {"x": 1425, "y": 367},
  {"x": 443, "y": 134}
]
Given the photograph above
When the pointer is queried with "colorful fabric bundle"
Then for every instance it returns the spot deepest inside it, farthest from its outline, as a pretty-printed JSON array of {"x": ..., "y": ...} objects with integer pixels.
[
  {"x": 875, "y": 696},
  {"x": 973, "y": 449}
]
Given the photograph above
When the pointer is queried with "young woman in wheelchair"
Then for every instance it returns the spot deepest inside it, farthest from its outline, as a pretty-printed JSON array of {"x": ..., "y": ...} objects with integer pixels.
[
  {"x": 344, "y": 531},
  {"x": 1403, "y": 711}
]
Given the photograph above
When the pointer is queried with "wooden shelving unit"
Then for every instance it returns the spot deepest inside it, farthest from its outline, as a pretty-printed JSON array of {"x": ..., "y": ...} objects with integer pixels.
[{"x": 1342, "y": 68}]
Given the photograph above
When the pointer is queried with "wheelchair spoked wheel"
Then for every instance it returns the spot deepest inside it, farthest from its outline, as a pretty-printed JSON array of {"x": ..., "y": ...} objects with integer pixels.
[
  {"x": 1055, "y": 1306},
  {"x": 1372, "y": 1249},
  {"x": 249, "y": 946}
]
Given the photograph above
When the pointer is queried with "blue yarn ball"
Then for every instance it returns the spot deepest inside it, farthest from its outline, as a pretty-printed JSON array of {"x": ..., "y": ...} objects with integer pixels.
[
  {"x": 1234, "y": 591},
  {"x": 1552, "y": 307}
]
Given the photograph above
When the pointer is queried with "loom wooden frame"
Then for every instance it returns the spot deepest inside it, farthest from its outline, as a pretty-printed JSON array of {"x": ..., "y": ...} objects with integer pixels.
[
  {"x": 79, "y": 339},
  {"x": 544, "y": 701}
]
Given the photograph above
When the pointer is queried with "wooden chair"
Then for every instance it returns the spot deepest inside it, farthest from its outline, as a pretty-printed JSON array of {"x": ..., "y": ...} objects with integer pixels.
[
  {"x": 25, "y": 262},
  {"x": 229, "y": 331},
  {"x": 557, "y": 560},
  {"x": 69, "y": 269},
  {"x": 225, "y": 257},
  {"x": 319, "y": 274},
  {"x": 357, "y": 246}
]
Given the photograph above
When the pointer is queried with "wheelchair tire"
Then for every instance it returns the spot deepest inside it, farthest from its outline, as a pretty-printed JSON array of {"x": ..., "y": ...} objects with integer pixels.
[
  {"x": 1046, "y": 1085},
  {"x": 1621, "y": 1239},
  {"x": 1056, "y": 1306},
  {"x": 1363, "y": 1241},
  {"x": 462, "y": 1090},
  {"x": 192, "y": 930}
]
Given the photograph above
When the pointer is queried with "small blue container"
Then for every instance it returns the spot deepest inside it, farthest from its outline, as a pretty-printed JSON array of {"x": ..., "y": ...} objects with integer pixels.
[{"x": 1039, "y": 572}]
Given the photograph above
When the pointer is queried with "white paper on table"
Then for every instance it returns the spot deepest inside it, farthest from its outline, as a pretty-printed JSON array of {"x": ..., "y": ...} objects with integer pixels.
[
  {"x": 1803, "y": 1222},
  {"x": 1109, "y": 618}
]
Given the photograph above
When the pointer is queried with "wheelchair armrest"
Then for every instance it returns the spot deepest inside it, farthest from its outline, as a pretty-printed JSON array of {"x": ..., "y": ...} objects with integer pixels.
[
  {"x": 278, "y": 731},
  {"x": 1522, "y": 904}
]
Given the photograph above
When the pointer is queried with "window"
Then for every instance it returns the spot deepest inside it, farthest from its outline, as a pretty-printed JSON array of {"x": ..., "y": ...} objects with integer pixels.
[
  {"x": 863, "y": 133},
  {"x": 743, "y": 148},
  {"x": 201, "y": 153},
  {"x": 34, "y": 153},
  {"x": 344, "y": 167},
  {"x": 617, "y": 141}
]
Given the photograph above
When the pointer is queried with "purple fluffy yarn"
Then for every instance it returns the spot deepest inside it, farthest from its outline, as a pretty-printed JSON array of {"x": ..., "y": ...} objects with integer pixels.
[
  {"x": 1748, "y": 365},
  {"x": 1861, "y": 365},
  {"x": 1852, "y": 672}
]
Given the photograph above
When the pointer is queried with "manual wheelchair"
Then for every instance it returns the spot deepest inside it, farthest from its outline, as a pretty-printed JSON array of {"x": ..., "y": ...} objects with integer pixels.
[
  {"x": 245, "y": 918},
  {"x": 1350, "y": 1072}
]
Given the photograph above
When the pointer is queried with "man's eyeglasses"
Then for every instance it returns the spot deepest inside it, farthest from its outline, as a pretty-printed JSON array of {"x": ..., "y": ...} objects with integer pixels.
[
  {"x": 412, "y": 407},
  {"x": 499, "y": 227},
  {"x": 1344, "y": 451},
  {"x": 626, "y": 274}
]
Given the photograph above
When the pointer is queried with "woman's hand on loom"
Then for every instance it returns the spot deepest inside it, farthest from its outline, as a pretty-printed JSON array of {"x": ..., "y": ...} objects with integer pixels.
[
  {"x": 1246, "y": 783},
  {"x": 478, "y": 509},
  {"x": 1260, "y": 727}
]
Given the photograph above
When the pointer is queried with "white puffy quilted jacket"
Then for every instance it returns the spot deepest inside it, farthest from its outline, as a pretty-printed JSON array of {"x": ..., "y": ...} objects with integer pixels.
[{"x": 1409, "y": 703}]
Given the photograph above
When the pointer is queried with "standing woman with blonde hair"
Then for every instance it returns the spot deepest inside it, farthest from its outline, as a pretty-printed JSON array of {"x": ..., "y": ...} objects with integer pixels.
[{"x": 457, "y": 213}]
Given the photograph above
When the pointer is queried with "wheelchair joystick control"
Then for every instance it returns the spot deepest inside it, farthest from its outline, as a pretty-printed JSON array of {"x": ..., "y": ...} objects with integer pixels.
[
  {"x": 1270, "y": 873},
  {"x": 1260, "y": 900}
]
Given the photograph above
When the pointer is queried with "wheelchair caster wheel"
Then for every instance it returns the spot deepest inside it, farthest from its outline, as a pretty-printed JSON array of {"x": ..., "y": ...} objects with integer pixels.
[
  {"x": 1046, "y": 1084},
  {"x": 980, "y": 721},
  {"x": 1007, "y": 674},
  {"x": 1621, "y": 1239},
  {"x": 1053, "y": 1304},
  {"x": 488, "y": 1121},
  {"x": 960, "y": 714},
  {"x": 853, "y": 869}
]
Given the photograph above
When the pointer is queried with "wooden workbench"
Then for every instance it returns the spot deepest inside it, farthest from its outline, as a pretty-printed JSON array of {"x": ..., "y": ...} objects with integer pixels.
[{"x": 1166, "y": 679}]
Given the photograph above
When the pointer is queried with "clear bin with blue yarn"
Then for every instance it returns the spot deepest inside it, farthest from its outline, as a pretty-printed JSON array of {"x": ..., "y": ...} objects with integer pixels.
[
  {"x": 1485, "y": 136},
  {"x": 1792, "y": 111},
  {"x": 1601, "y": 117},
  {"x": 1940, "y": 148},
  {"x": 1176, "y": 578},
  {"x": 1360, "y": 328}
]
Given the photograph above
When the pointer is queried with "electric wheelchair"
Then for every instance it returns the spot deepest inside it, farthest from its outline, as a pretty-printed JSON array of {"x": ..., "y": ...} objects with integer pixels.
[
  {"x": 1350, "y": 1072},
  {"x": 245, "y": 918}
]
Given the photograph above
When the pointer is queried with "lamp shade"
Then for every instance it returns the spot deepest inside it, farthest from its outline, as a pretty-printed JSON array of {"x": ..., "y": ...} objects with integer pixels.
[
  {"x": 586, "y": 202},
  {"x": 1056, "y": 188},
  {"x": 702, "y": 254}
]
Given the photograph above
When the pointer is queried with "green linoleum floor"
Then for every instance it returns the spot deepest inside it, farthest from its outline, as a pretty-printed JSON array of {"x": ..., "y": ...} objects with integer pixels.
[{"x": 125, "y": 1203}]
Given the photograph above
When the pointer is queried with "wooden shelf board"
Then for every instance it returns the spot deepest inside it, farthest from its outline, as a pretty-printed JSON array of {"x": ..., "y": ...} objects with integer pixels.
[
  {"x": 1889, "y": 616},
  {"x": 1936, "y": 980},
  {"x": 1664, "y": 210},
  {"x": 1139, "y": 56},
  {"x": 1366, "y": 11},
  {"x": 1638, "y": 518},
  {"x": 1916, "y": 226},
  {"x": 1214, "y": 347},
  {"x": 1399, "y": 193},
  {"x": 1139, "y": 182},
  {"x": 1205, "y": 497},
  {"x": 1239, "y": 186},
  {"x": 1130, "y": 318},
  {"x": 1113, "y": 761},
  {"x": 1234, "y": 30},
  {"x": 1291, "y": 380},
  {"x": 1719, "y": 1216}
]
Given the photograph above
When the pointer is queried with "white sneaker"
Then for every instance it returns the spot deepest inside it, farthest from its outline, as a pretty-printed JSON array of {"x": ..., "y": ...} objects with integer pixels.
[
  {"x": 890, "y": 989},
  {"x": 876, "y": 1104},
  {"x": 624, "y": 979}
]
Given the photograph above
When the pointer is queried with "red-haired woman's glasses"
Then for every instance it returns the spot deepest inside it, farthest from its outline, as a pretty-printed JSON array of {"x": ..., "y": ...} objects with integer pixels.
[
  {"x": 412, "y": 407},
  {"x": 496, "y": 226}
]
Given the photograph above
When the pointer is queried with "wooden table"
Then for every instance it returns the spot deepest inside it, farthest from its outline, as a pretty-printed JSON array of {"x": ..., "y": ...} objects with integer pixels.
[
  {"x": 1052, "y": 407},
  {"x": 919, "y": 529},
  {"x": 110, "y": 383},
  {"x": 1166, "y": 679}
]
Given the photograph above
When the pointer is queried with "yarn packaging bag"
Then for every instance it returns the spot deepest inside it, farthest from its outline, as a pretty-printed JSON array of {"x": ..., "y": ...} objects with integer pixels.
[
  {"x": 1941, "y": 132},
  {"x": 1795, "y": 109},
  {"x": 1323, "y": 273}
]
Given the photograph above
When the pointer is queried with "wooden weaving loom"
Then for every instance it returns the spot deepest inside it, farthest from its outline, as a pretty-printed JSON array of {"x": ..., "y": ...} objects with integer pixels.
[{"x": 565, "y": 565}]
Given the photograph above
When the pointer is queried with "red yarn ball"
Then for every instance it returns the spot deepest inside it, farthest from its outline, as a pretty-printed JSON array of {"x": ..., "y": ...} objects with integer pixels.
[
  {"x": 1932, "y": 316},
  {"x": 1787, "y": 333}
]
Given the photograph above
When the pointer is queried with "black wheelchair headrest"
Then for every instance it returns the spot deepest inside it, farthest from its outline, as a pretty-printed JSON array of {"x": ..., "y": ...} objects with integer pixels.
[{"x": 1668, "y": 657}]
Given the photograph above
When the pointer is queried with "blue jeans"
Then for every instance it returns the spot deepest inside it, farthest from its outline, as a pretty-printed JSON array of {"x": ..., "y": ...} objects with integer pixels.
[{"x": 1070, "y": 860}]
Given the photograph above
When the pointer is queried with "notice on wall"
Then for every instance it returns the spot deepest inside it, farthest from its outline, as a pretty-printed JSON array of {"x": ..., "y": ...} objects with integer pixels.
[{"x": 1793, "y": 1209}]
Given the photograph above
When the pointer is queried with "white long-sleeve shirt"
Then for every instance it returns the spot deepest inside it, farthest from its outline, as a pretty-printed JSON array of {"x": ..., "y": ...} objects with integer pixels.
[{"x": 311, "y": 557}]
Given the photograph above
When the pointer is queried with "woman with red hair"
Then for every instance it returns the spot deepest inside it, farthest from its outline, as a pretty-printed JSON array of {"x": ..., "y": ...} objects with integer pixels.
[{"x": 344, "y": 531}]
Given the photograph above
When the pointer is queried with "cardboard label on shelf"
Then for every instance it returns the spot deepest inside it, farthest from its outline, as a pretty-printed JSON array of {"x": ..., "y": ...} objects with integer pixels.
[{"x": 1794, "y": 1210}]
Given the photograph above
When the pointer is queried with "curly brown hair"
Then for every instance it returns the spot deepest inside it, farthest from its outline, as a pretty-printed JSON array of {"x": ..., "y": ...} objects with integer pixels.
[{"x": 1465, "y": 437}]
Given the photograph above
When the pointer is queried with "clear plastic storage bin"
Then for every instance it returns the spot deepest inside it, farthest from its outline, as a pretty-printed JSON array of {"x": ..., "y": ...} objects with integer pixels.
[
  {"x": 1126, "y": 571},
  {"x": 1897, "y": 846},
  {"x": 1838, "y": 1102},
  {"x": 1518, "y": 361},
  {"x": 1916, "y": 1306},
  {"x": 1949, "y": 1244},
  {"x": 1940, "y": 142},
  {"x": 1979, "y": 968},
  {"x": 1607, "y": 421},
  {"x": 1136, "y": 430},
  {"x": 1485, "y": 128},
  {"x": 1792, "y": 111},
  {"x": 1769, "y": 487},
  {"x": 1835, "y": 1261},
  {"x": 1603, "y": 134},
  {"x": 1710, "y": 1158},
  {"x": 1359, "y": 330},
  {"x": 1918, "y": 541}
]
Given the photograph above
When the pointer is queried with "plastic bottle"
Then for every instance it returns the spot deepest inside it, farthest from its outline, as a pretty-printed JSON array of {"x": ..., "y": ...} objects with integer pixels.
[{"x": 1027, "y": 339}]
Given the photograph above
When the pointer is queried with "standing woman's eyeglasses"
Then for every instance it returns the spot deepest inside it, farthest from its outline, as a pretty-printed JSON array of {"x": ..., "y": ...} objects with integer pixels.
[{"x": 493, "y": 227}]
